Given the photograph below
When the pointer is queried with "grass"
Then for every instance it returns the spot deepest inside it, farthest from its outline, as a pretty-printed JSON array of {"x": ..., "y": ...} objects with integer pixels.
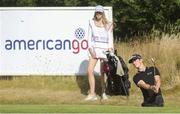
[
  {"x": 66, "y": 93},
  {"x": 85, "y": 109},
  {"x": 164, "y": 48},
  {"x": 54, "y": 99}
]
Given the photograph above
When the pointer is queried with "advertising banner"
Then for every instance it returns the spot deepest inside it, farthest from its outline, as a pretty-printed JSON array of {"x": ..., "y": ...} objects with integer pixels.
[{"x": 45, "y": 40}]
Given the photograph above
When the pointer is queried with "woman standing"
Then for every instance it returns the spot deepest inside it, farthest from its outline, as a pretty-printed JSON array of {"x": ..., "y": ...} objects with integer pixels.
[{"x": 100, "y": 39}]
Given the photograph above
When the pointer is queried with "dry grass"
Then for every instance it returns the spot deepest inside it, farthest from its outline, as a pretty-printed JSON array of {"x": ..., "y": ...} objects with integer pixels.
[
  {"x": 56, "y": 90},
  {"x": 164, "y": 48}
]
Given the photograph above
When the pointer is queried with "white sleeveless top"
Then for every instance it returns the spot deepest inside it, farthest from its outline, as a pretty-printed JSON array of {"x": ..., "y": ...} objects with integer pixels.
[{"x": 99, "y": 39}]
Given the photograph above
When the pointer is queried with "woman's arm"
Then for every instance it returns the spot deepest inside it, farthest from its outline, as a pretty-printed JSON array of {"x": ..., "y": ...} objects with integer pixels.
[
  {"x": 90, "y": 35},
  {"x": 110, "y": 37},
  {"x": 90, "y": 44}
]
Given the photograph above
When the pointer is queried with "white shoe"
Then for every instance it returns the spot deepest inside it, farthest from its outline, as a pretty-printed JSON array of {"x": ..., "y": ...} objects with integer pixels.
[
  {"x": 91, "y": 98},
  {"x": 104, "y": 96}
]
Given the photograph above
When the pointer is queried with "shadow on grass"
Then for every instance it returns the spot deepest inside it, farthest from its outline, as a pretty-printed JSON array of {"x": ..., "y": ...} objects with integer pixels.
[
  {"x": 83, "y": 83},
  {"x": 6, "y": 77}
]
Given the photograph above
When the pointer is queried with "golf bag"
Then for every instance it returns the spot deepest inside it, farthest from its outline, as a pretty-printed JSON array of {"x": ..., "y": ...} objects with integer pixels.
[{"x": 116, "y": 84}]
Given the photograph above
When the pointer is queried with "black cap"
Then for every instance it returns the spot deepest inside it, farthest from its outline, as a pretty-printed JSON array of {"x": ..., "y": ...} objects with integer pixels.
[{"x": 134, "y": 57}]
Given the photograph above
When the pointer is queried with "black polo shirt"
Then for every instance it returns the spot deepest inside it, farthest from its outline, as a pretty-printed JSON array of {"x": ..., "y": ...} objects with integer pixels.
[{"x": 148, "y": 77}]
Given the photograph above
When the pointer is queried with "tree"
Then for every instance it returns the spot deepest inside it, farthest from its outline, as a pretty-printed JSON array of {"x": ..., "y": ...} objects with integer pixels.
[
  {"x": 131, "y": 17},
  {"x": 135, "y": 17}
]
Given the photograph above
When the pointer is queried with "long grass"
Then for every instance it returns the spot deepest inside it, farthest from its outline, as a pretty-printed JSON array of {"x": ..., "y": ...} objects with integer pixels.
[
  {"x": 163, "y": 48},
  {"x": 56, "y": 90}
]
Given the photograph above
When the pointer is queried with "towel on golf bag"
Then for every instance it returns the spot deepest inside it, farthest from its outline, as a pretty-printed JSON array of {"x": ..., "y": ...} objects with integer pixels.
[{"x": 117, "y": 76}]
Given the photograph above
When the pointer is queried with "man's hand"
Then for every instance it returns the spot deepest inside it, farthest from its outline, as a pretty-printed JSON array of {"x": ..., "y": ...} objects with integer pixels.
[
  {"x": 144, "y": 85},
  {"x": 154, "y": 88}
]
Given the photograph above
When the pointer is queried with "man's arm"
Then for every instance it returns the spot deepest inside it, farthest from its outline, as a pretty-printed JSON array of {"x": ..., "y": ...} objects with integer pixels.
[
  {"x": 157, "y": 83},
  {"x": 144, "y": 85},
  {"x": 155, "y": 87}
]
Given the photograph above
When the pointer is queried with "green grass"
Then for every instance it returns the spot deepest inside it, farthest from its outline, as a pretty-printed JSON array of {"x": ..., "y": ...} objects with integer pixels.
[{"x": 85, "y": 109}]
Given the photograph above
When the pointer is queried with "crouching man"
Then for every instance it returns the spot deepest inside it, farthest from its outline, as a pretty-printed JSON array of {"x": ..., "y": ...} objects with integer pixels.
[{"x": 148, "y": 80}]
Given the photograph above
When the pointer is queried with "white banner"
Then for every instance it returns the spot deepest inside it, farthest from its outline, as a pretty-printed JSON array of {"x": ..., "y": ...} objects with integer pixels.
[{"x": 45, "y": 41}]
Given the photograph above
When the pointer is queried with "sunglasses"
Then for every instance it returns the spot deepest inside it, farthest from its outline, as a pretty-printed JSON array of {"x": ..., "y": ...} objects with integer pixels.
[{"x": 99, "y": 13}]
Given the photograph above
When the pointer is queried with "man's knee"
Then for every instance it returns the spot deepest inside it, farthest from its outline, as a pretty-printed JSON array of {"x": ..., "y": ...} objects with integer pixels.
[{"x": 159, "y": 101}]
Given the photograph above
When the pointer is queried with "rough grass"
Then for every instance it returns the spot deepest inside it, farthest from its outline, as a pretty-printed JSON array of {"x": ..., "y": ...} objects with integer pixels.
[
  {"x": 71, "y": 90},
  {"x": 67, "y": 90},
  {"x": 164, "y": 48}
]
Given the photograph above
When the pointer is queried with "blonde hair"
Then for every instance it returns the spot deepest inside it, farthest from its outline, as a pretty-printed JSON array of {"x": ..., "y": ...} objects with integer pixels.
[{"x": 104, "y": 20}]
